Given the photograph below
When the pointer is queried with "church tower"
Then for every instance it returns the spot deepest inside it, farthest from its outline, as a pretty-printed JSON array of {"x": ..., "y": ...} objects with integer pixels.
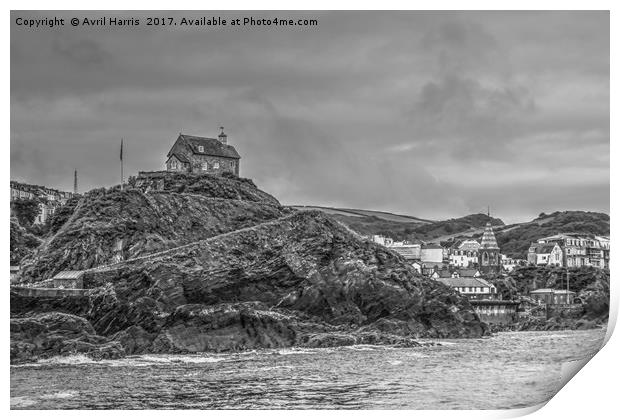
[{"x": 489, "y": 259}]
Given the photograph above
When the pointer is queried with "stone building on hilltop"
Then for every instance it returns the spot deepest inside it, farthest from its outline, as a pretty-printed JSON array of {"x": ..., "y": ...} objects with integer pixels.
[{"x": 203, "y": 155}]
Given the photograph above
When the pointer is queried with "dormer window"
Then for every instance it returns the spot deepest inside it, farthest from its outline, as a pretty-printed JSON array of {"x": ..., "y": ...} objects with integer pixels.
[{"x": 201, "y": 149}]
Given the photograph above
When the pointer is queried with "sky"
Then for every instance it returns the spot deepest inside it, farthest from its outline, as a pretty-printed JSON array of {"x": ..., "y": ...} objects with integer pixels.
[{"x": 431, "y": 114}]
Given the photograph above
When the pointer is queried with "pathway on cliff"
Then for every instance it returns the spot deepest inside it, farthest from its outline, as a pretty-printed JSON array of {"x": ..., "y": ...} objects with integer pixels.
[{"x": 171, "y": 251}]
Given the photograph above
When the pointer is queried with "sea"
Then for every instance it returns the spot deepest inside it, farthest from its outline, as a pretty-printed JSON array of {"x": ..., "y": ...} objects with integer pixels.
[{"x": 507, "y": 370}]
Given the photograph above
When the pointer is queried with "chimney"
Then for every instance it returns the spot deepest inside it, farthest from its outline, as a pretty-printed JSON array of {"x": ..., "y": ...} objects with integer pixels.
[
  {"x": 222, "y": 137},
  {"x": 75, "y": 184}
]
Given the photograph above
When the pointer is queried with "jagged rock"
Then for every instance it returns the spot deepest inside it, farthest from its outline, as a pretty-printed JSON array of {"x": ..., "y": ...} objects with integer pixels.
[{"x": 58, "y": 334}]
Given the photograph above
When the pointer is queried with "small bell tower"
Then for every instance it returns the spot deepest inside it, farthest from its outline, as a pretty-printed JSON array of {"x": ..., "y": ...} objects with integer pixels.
[{"x": 223, "y": 138}]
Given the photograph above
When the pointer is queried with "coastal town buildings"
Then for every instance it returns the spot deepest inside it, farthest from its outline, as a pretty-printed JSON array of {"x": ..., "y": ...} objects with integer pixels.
[
  {"x": 465, "y": 253},
  {"x": 432, "y": 254},
  {"x": 411, "y": 252},
  {"x": 545, "y": 254},
  {"x": 579, "y": 250},
  {"x": 48, "y": 199},
  {"x": 203, "y": 155},
  {"x": 553, "y": 296},
  {"x": 509, "y": 264},
  {"x": 471, "y": 287}
]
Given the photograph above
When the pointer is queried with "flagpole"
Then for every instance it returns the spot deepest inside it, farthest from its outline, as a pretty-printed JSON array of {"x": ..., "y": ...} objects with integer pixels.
[{"x": 122, "y": 178}]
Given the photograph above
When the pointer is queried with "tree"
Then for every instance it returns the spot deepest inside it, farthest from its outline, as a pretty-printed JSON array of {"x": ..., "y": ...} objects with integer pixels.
[{"x": 26, "y": 211}]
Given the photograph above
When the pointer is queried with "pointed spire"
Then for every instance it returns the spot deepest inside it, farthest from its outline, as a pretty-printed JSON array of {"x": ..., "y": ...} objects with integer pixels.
[{"x": 488, "y": 240}]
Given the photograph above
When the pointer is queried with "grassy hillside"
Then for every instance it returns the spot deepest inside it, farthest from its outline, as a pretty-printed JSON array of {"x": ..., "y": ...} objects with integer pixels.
[{"x": 382, "y": 215}]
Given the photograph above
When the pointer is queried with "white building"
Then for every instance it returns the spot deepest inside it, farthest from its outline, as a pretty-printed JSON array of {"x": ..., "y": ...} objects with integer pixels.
[
  {"x": 581, "y": 250},
  {"x": 431, "y": 253},
  {"x": 382, "y": 240},
  {"x": 545, "y": 254},
  {"x": 410, "y": 252},
  {"x": 473, "y": 288},
  {"x": 465, "y": 254},
  {"x": 509, "y": 264}
]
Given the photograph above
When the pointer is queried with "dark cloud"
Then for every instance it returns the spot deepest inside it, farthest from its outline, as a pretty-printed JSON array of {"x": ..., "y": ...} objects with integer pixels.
[{"x": 434, "y": 114}]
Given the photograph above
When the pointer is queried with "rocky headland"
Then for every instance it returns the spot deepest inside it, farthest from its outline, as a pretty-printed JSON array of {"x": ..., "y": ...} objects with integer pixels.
[{"x": 188, "y": 263}]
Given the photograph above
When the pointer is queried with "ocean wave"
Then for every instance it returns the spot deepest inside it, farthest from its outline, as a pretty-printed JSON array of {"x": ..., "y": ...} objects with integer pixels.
[
  {"x": 73, "y": 359},
  {"x": 133, "y": 361},
  {"x": 177, "y": 359},
  {"x": 295, "y": 350}
]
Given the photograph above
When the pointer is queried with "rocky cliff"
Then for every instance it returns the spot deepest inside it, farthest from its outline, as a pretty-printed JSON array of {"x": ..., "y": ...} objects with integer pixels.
[
  {"x": 108, "y": 226},
  {"x": 248, "y": 276}
]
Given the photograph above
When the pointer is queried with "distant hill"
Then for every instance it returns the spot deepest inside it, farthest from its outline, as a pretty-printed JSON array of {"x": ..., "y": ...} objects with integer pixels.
[
  {"x": 514, "y": 240},
  {"x": 472, "y": 224},
  {"x": 404, "y": 227},
  {"x": 383, "y": 215}
]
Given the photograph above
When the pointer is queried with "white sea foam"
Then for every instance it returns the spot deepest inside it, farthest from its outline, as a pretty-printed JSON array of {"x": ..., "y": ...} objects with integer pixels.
[
  {"x": 173, "y": 358},
  {"x": 74, "y": 359},
  {"x": 59, "y": 395},
  {"x": 268, "y": 368},
  {"x": 22, "y": 402},
  {"x": 134, "y": 361},
  {"x": 447, "y": 343},
  {"x": 29, "y": 401},
  {"x": 295, "y": 350}
]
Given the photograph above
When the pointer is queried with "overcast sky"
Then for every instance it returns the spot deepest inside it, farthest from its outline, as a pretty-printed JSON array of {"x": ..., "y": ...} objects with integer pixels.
[{"x": 433, "y": 114}]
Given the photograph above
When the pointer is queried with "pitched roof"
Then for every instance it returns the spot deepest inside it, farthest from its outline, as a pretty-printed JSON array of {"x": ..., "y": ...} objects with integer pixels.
[
  {"x": 468, "y": 244},
  {"x": 542, "y": 291},
  {"x": 488, "y": 240},
  {"x": 468, "y": 272},
  {"x": 463, "y": 282},
  {"x": 545, "y": 248},
  {"x": 69, "y": 275},
  {"x": 552, "y": 291},
  {"x": 180, "y": 156},
  {"x": 211, "y": 147}
]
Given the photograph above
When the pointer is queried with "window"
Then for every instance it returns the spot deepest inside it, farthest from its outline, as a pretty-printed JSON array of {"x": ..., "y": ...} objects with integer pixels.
[
  {"x": 216, "y": 165},
  {"x": 173, "y": 164},
  {"x": 201, "y": 149},
  {"x": 205, "y": 166}
]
